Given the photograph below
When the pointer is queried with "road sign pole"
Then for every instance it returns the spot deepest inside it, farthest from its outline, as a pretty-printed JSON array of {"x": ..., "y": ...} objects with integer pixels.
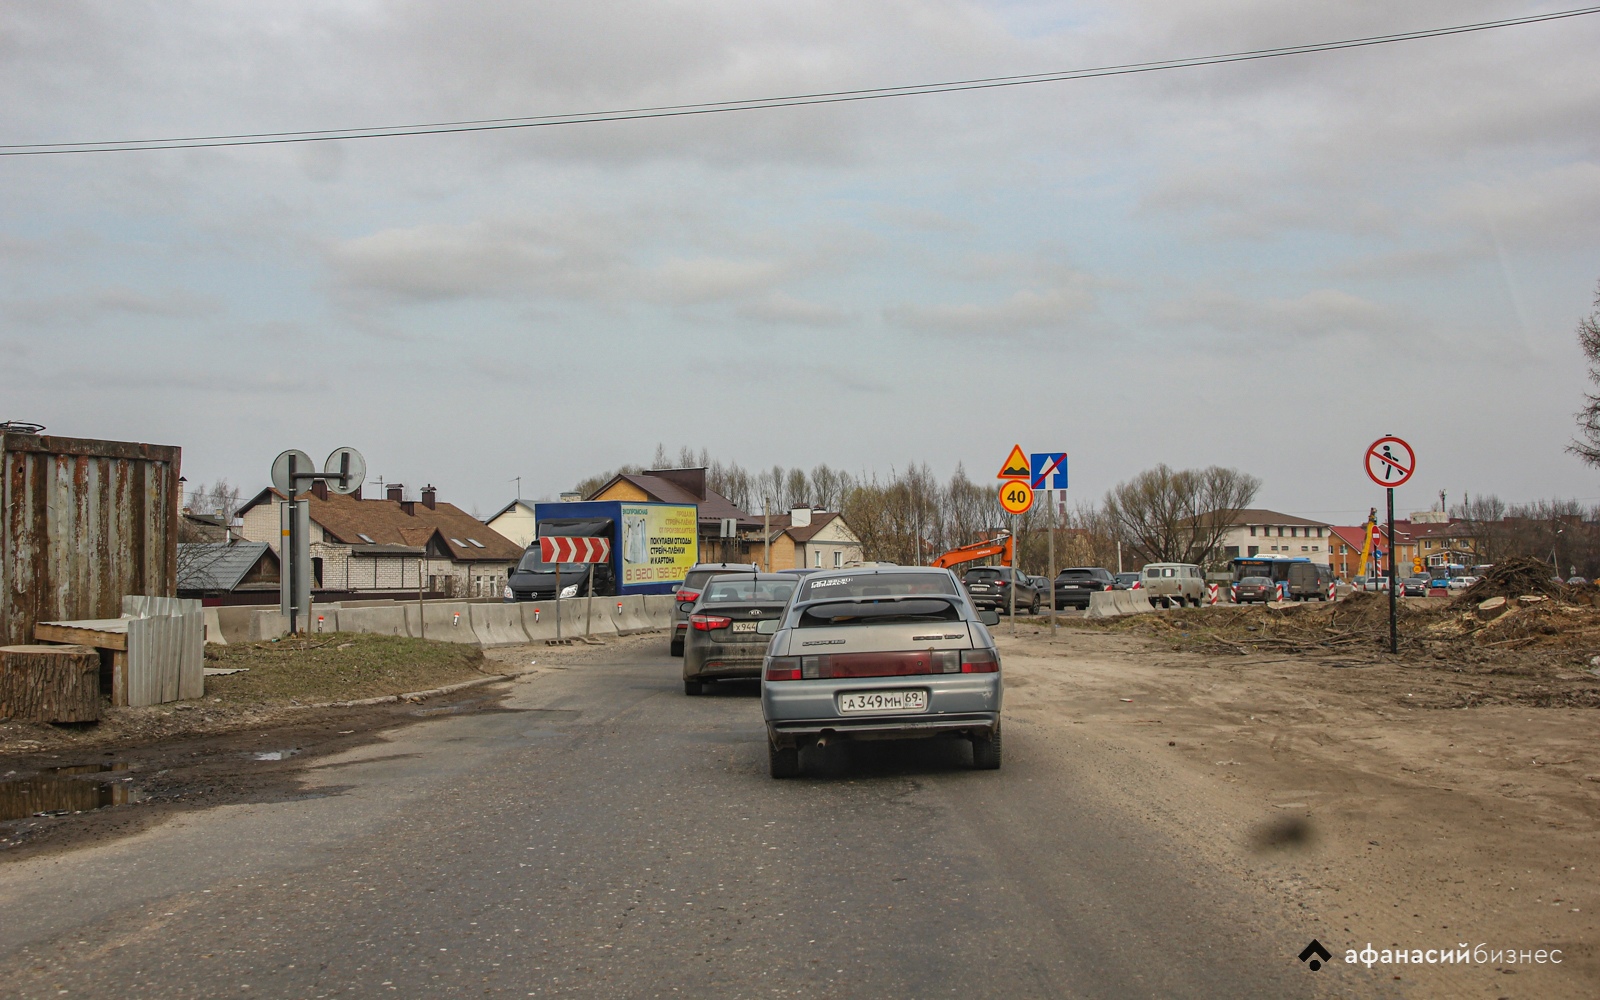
[
  {"x": 1394, "y": 627},
  {"x": 558, "y": 596},
  {"x": 1050, "y": 526},
  {"x": 1016, "y": 522}
]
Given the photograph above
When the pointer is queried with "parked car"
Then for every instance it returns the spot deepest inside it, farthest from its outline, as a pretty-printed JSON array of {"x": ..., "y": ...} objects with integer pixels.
[
  {"x": 689, "y": 591},
  {"x": 875, "y": 654},
  {"x": 1374, "y": 583},
  {"x": 1308, "y": 581},
  {"x": 1074, "y": 585},
  {"x": 989, "y": 587},
  {"x": 1124, "y": 581},
  {"x": 1460, "y": 583},
  {"x": 1416, "y": 586},
  {"x": 1576, "y": 581},
  {"x": 1255, "y": 590},
  {"x": 1173, "y": 583},
  {"x": 800, "y": 570},
  {"x": 721, "y": 642}
]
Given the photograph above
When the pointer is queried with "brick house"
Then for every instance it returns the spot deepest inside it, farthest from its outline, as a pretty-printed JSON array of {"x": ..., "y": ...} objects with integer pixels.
[{"x": 393, "y": 546}]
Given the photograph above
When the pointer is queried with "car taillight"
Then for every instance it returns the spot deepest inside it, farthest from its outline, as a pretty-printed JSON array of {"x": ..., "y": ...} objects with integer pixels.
[
  {"x": 783, "y": 668},
  {"x": 979, "y": 661},
  {"x": 706, "y": 623},
  {"x": 688, "y": 596}
]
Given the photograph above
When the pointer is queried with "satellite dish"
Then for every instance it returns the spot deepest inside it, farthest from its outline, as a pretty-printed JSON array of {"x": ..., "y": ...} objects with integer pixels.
[
  {"x": 291, "y": 461},
  {"x": 345, "y": 470}
]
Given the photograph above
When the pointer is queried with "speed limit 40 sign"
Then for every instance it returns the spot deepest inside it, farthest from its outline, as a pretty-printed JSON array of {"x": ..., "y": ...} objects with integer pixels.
[{"x": 1016, "y": 496}]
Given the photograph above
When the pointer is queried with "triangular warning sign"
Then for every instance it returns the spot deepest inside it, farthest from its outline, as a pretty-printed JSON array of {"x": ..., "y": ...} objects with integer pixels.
[{"x": 1016, "y": 466}]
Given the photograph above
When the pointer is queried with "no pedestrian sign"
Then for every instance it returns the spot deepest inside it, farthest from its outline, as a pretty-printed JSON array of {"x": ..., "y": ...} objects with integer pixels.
[{"x": 1390, "y": 462}]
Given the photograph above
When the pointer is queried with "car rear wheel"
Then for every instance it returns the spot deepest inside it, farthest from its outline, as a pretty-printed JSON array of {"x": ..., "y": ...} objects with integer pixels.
[
  {"x": 986, "y": 750},
  {"x": 675, "y": 648},
  {"x": 784, "y": 762},
  {"x": 693, "y": 687},
  {"x": 1033, "y": 609}
]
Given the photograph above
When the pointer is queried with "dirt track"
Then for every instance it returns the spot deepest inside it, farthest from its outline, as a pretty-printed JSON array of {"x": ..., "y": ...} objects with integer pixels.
[{"x": 1357, "y": 787}]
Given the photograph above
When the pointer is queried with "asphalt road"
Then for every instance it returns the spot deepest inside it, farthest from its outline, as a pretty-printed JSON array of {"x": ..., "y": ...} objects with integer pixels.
[{"x": 609, "y": 837}]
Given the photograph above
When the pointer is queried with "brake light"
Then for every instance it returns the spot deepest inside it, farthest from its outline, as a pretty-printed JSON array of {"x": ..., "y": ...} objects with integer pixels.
[
  {"x": 783, "y": 668},
  {"x": 707, "y": 623},
  {"x": 979, "y": 661},
  {"x": 688, "y": 596}
]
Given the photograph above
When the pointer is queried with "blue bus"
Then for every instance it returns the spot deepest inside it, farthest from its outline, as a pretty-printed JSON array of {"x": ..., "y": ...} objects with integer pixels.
[{"x": 1274, "y": 568}]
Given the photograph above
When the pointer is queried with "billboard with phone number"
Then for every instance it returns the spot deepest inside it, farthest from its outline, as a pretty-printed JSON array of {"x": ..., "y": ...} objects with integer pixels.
[{"x": 659, "y": 543}]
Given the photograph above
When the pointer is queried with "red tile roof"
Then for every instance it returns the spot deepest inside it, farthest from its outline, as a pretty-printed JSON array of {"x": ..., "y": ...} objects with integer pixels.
[{"x": 387, "y": 522}]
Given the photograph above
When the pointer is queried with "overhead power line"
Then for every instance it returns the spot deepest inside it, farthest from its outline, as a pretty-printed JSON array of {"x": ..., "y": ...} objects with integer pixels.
[{"x": 764, "y": 103}]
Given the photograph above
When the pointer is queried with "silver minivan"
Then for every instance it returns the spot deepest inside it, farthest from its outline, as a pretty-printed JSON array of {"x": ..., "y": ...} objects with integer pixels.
[
  {"x": 888, "y": 653},
  {"x": 1170, "y": 584}
]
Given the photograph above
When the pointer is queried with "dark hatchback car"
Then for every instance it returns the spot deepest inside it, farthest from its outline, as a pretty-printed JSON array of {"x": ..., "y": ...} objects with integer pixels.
[
  {"x": 1254, "y": 590},
  {"x": 1073, "y": 586},
  {"x": 990, "y": 587},
  {"x": 689, "y": 591},
  {"x": 722, "y": 642}
]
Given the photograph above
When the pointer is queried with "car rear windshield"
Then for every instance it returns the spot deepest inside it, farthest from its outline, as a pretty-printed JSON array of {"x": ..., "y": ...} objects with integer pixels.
[
  {"x": 727, "y": 590},
  {"x": 1077, "y": 574},
  {"x": 818, "y": 586},
  {"x": 983, "y": 575},
  {"x": 916, "y": 609},
  {"x": 1256, "y": 581}
]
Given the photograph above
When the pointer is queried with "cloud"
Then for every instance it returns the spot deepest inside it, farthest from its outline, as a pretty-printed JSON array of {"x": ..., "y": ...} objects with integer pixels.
[
  {"x": 94, "y": 306},
  {"x": 1317, "y": 314},
  {"x": 784, "y": 309},
  {"x": 1554, "y": 207},
  {"x": 1026, "y": 310},
  {"x": 710, "y": 279}
]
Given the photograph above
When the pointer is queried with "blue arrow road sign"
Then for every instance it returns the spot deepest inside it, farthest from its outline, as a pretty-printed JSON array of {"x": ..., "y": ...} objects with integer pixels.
[{"x": 1050, "y": 465}]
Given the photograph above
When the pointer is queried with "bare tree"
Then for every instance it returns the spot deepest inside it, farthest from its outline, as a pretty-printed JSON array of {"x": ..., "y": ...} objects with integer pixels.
[
  {"x": 1588, "y": 446},
  {"x": 1179, "y": 516}
]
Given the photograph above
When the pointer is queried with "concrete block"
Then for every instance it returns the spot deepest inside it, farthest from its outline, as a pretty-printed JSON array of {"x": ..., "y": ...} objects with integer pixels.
[
  {"x": 374, "y": 620},
  {"x": 448, "y": 623},
  {"x": 497, "y": 624},
  {"x": 1104, "y": 604}
]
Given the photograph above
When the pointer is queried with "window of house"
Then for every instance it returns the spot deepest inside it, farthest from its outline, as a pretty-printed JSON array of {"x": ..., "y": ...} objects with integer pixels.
[
  {"x": 316, "y": 569},
  {"x": 817, "y": 559},
  {"x": 1230, "y": 551},
  {"x": 838, "y": 558},
  {"x": 1255, "y": 550},
  {"x": 366, "y": 538},
  {"x": 1316, "y": 548},
  {"x": 1303, "y": 549},
  {"x": 1252, "y": 531}
]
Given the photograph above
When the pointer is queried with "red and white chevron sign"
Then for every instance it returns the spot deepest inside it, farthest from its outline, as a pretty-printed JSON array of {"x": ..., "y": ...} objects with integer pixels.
[{"x": 575, "y": 550}]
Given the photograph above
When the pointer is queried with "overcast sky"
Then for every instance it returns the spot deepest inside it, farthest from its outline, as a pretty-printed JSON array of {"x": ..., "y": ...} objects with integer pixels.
[{"x": 1264, "y": 265}]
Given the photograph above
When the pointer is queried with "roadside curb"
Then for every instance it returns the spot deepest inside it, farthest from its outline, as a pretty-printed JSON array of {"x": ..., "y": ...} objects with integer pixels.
[{"x": 420, "y": 695}]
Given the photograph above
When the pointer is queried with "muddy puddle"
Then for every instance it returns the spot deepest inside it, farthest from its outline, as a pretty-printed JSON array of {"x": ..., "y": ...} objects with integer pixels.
[{"x": 58, "y": 791}]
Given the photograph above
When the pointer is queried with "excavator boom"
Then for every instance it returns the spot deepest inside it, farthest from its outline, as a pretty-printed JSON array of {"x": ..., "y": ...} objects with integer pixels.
[{"x": 1000, "y": 545}]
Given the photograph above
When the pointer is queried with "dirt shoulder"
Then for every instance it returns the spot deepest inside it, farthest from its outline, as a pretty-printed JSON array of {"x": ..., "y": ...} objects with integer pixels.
[{"x": 1419, "y": 801}]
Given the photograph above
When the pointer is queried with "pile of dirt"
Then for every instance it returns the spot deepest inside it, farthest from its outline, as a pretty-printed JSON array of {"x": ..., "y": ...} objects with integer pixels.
[{"x": 1514, "y": 578}]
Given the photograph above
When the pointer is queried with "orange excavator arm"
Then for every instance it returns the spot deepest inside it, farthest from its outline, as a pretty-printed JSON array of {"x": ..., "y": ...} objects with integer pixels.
[{"x": 997, "y": 546}]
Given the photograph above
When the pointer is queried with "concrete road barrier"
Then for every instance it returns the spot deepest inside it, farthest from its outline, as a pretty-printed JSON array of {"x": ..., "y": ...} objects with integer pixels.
[
  {"x": 214, "y": 634},
  {"x": 322, "y": 619},
  {"x": 1104, "y": 604},
  {"x": 448, "y": 623},
  {"x": 658, "y": 609},
  {"x": 374, "y": 621},
  {"x": 267, "y": 624},
  {"x": 1139, "y": 601},
  {"x": 634, "y": 618},
  {"x": 497, "y": 624},
  {"x": 538, "y": 620}
]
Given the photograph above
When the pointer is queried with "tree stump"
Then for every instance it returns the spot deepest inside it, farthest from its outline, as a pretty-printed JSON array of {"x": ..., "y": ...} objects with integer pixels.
[
  {"x": 1494, "y": 607},
  {"x": 49, "y": 683}
]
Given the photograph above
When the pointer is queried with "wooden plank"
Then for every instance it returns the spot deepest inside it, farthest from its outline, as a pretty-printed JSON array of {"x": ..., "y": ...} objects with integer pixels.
[
  {"x": 75, "y": 636},
  {"x": 119, "y": 678}
]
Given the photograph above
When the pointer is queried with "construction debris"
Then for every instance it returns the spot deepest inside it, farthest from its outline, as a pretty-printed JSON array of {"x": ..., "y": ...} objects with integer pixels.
[{"x": 1515, "y": 578}]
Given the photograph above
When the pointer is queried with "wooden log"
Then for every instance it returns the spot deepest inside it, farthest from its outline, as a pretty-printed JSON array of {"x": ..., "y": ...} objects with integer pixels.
[
  {"x": 49, "y": 683},
  {"x": 1494, "y": 607}
]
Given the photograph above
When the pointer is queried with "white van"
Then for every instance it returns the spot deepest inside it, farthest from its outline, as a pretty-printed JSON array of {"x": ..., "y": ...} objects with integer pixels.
[{"x": 1173, "y": 584}]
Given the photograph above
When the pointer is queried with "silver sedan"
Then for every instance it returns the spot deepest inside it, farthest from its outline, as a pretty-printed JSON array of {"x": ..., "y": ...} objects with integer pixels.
[{"x": 887, "y": 653}]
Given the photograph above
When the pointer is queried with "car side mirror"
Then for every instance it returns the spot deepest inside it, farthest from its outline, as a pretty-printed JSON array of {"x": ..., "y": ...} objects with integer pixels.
[
  {"x": 768, "y": 626},
  {"x": 676, "y": 587},
  {"x": 989, "y": 617}
]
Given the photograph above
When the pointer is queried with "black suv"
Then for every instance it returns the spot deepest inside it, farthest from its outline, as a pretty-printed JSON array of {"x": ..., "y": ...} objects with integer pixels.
[
  {"x": 990, "y": 587},
  {"x": 1073, "y": 586}
]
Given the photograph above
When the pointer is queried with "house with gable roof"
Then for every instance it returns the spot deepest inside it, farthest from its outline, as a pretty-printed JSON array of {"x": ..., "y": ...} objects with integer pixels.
[
  {"x": 688, "y": 486},
  {"x": 392, "y": 546}
]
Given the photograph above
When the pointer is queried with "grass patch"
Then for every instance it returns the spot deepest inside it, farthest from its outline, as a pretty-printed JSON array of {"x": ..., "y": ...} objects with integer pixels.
[{"x": 341, "y": 666}]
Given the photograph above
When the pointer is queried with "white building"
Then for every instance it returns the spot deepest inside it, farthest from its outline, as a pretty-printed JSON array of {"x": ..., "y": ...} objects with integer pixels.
[{"x": 1267, "y": 532}]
